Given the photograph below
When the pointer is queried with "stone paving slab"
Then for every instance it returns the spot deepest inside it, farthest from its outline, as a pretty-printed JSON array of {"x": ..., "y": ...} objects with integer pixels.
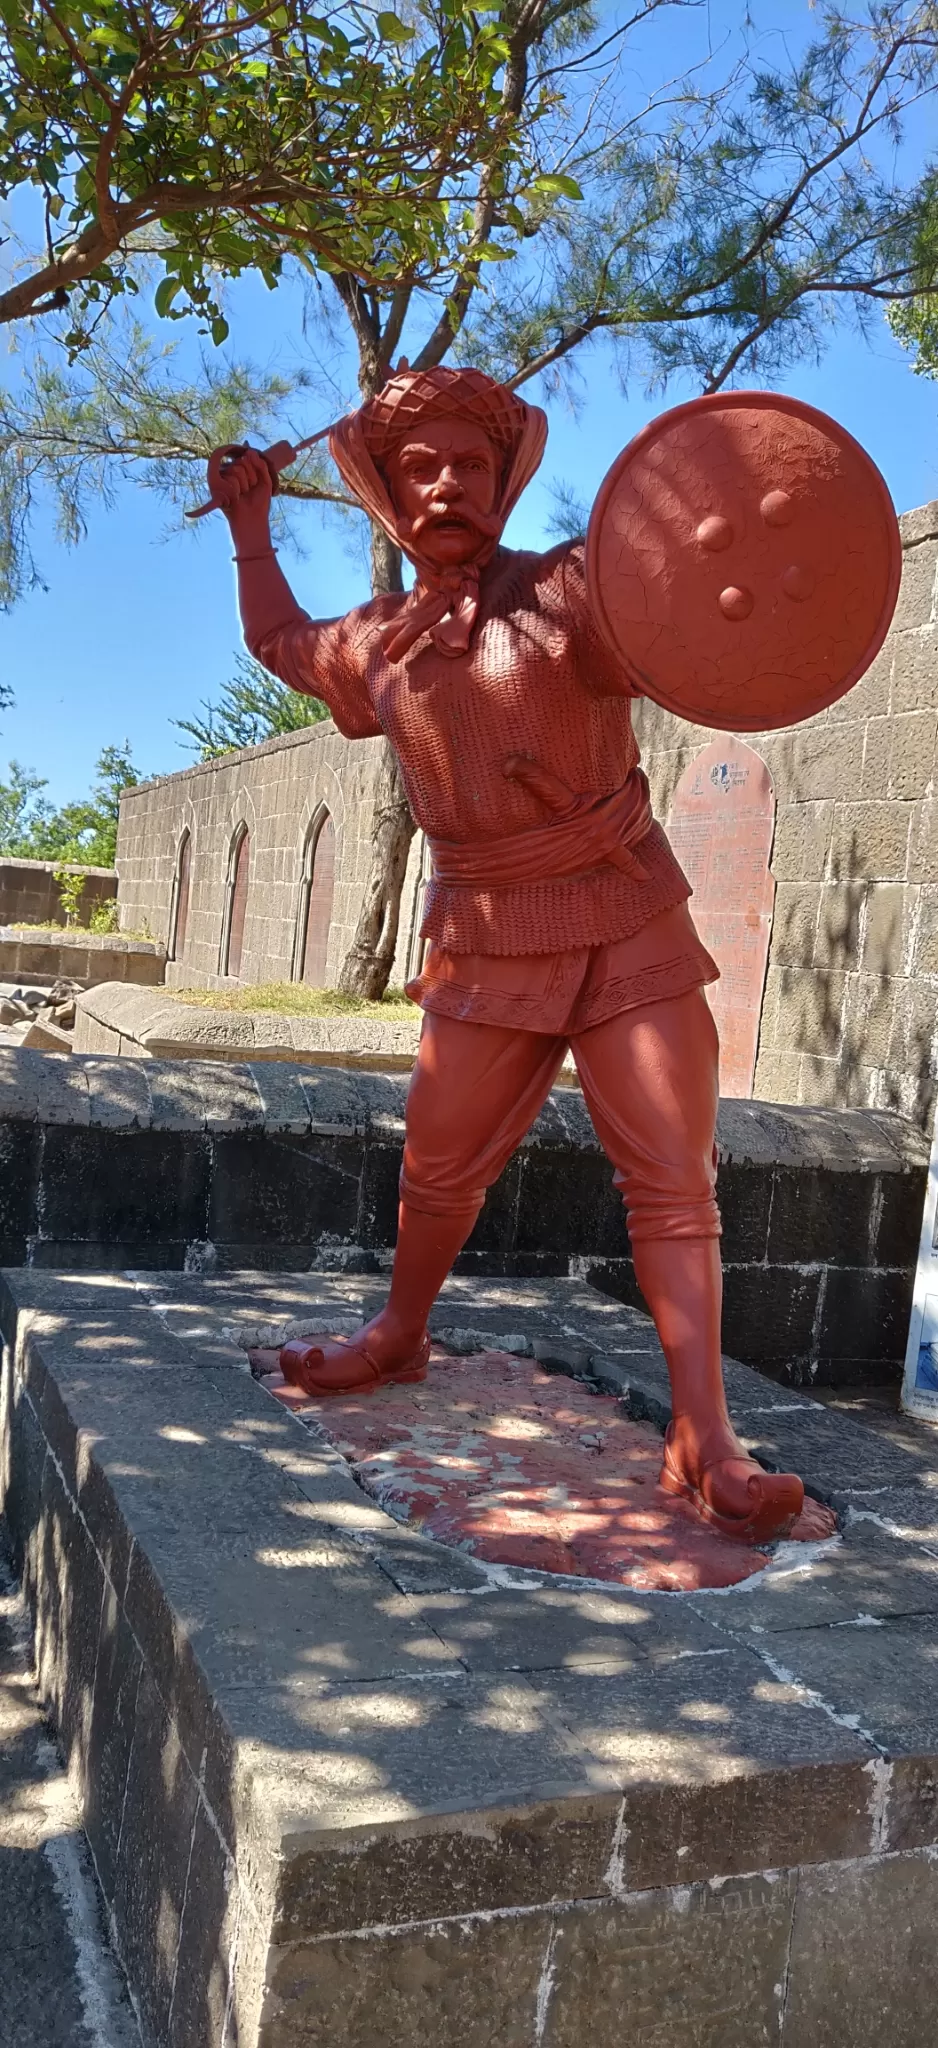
[{"x": 345, "y": 1784}]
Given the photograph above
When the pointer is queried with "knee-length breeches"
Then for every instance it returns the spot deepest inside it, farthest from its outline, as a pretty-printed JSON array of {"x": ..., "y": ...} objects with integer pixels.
[{"x": 650, "y": 1079}]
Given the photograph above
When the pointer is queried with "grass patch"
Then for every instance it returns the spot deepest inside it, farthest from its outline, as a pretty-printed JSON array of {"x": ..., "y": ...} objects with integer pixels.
[
  {"x": 77, "y": 931},
  {"x": 294, "y": 999}
]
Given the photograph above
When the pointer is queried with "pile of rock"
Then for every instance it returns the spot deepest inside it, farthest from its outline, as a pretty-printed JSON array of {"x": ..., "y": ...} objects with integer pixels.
[{"x": 46, "y": 1015}]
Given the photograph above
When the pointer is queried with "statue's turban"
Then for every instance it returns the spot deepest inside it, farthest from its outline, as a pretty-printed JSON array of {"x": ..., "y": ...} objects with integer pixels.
[
  {"x": 417, "y": 395},
  {"x": 361, "y": 444}
]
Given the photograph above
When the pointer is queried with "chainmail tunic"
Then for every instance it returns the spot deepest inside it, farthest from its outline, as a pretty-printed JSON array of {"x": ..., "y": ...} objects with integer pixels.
[{"x": 538, "y": 681}]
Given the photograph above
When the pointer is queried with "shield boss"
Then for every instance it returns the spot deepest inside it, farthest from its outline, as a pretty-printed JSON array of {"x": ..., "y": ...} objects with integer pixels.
[{"x": 743, "y": 560}]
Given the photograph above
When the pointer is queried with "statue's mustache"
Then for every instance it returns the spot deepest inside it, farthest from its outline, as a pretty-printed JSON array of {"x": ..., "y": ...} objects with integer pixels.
[{"x": 487, "y": 524}]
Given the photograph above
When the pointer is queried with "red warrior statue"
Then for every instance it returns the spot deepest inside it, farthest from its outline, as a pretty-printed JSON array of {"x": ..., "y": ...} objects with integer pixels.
[{"x": 556, "y": 914}]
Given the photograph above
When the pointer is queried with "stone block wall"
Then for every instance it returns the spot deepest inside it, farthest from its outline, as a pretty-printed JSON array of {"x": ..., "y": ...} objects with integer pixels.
[
  {"x": 29, "y": 892},
  {"x": 278, "y": 790},
  {"x": 110, "y": 1163},
  {"x": 849, "y": 1011},
  {"x": 42, "y": 958}
]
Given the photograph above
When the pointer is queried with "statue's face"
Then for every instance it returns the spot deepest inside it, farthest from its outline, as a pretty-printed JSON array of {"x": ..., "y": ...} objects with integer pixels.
[{"x": 444, "y": 479}]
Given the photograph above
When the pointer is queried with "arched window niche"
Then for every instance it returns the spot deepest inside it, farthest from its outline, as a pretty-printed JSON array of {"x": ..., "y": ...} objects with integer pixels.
[
  {"x": 236, "y": 896},
  {"x": 179, "y": 908},
  {"x": 314, "y": 912}
]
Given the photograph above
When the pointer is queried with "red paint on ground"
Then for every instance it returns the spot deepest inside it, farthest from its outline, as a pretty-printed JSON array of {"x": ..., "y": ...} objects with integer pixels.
[{"x": 521, "y": 1467}]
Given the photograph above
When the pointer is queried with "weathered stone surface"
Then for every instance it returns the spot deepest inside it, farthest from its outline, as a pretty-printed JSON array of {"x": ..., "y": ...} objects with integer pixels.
[
  {"x": 870, "y": 839},
  {"x": 919, "y": 524},
  {"x": 20, "y": 1158},
  {"x": 29, "y": 890},
  {"x": 869, "y": 1015},
  {"x": 153, "y": 1026},
  {"x": 24, "y": 1452},
  {"x": 89, "y": 1193},
  {"x": 795, "y": 923},
  {"x": 153, "y": 1858},
  {"x": 873, "y": 695},
  {"x": 118, "y": 1672},
  {"x": 860, "y": 1935},
  {"x": 911, "y": 753},
  {"x": 872, "y": 1579},
  {"x": 701, "y": 1714},
  {"x": 502, "y": 1857},
  {"x": 200, "y": 2010},
  {"x": 283, "y": 1102},
  {"x": 785, "y": 1301},
  {"x": 915, "y": 673},
  {"x": 517, "y": 1811},
  {"x": 463, "y": 1985},
  {"x": 279, "y": 790},
  {"x": 889, "y": 908},
  {"x": 865, "y": 1315},
  {"x": 69, "y": 1596},
  {"x": 119, "y": 1095},
  {"x": 917, "y": 594},
  {"x": 711, "y": 1971},
  {"x": 832, "y": 1451},
  {"x": 802, "y": 839},
  {"x": 296, "y": 1188},
  {"x": 833, "y": 1212},
  {"x": 892, "y": 1663},
  {"x": 825, "y": 760},
  {"x": 59, "y": 1987},
  {"x": 44, "y": 957}
]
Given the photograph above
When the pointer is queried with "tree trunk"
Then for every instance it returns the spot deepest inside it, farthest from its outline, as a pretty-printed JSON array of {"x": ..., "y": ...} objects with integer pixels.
[{"x": 366, "y": 969}]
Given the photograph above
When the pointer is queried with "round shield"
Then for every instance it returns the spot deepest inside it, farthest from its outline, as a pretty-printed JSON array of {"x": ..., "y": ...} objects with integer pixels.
[{"x": 743, "y": 560}]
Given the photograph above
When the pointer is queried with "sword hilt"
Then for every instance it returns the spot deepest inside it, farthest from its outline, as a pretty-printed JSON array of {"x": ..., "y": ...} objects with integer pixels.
[{"x": 277, "y": 458}]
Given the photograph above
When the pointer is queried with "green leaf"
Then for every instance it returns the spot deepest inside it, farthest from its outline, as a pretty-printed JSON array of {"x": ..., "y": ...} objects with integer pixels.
[
  {"x": 557, "y": 185},
  {"x": 115, "y": 39},
  {"x": 165, "y": 294},
  {"x": 392, "y": 30},
  {"x": 219, "y": 329}
]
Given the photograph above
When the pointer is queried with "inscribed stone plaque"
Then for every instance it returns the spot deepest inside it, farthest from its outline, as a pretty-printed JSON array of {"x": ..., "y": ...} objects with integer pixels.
[{"x": 720, "y": 827}]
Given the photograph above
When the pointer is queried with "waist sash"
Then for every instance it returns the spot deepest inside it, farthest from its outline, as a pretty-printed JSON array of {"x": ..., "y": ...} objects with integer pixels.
[{"x": 592, "y": 832}]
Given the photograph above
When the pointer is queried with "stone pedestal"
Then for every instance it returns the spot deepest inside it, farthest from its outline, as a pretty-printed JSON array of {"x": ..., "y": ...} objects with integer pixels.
[{"x": 343, "y": 1784}]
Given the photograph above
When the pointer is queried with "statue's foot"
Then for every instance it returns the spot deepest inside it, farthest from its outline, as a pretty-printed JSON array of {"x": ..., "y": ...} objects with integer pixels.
[
  {"x": 729, "y": 1489},
  {"x": 348, "y": 1365}
]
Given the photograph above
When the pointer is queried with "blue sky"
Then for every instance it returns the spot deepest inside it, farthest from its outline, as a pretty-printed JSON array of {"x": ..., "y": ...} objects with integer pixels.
[{"x": 139, "y": 623}]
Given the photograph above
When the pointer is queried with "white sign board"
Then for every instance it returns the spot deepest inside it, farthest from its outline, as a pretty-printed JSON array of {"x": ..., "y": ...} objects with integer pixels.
[{"x": 920, "y": 1384}]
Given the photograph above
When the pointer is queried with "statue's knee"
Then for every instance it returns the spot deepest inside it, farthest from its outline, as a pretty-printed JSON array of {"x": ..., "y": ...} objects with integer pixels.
[{"x": 674, "y": 1217}]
